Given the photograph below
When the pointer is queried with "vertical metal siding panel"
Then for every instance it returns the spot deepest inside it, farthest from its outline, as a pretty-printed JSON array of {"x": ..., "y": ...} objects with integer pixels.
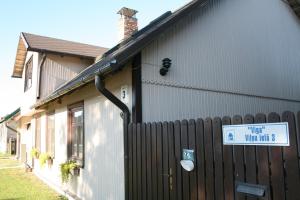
[
  {"x": 54, "y": 75},
  {"x": 246, "y": 47},
  {"x": 104, "y": 155},
  {"x": 191, "y": 104}
]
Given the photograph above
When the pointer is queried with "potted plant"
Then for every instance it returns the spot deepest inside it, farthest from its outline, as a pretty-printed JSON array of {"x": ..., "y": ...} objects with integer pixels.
[
  {"x": 69, "y": 168},
  {"x": 50, "y": 160},
  {"x": 75, "y": 170},
  {"x": 35, "y": 153},
  {"x": 45, "y": 157}
]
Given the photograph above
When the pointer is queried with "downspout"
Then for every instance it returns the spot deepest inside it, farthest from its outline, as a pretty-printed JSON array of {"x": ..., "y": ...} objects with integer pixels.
[
  {"x": 10, "y": 128},
  {"x": 100, "y": 85},
  {"x": 38, "y": 92}
]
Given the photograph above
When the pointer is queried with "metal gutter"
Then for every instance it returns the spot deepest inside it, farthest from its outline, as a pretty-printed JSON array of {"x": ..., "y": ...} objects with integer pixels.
[
  {"x": 10, "y": 128},
  {"x": 100, "y": 85},
  {"x": 7, "y": 117},
  {"x": 295, "y": 5}
]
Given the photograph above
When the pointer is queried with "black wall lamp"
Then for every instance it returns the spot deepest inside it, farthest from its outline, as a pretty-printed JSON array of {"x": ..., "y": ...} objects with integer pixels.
[{"x": 166, "y": 64}]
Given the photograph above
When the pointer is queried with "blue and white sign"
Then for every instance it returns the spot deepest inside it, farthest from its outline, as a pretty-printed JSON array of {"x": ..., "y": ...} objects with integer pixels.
[{"x": 270, "y": 134}]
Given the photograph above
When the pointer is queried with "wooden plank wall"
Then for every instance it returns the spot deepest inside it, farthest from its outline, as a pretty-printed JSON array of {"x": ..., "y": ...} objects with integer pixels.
[{"x": 155, "y": 152}]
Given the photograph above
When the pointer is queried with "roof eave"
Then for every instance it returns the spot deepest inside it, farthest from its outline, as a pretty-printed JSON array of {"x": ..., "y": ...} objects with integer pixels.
[
  {"x": 60, "y": 53},
  {"x": 20, "y": 57}
]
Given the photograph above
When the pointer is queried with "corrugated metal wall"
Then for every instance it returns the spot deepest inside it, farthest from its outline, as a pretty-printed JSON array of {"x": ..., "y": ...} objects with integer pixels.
[
  {"x": 229, "y": 49},
  {"x": 57, "y": 70}
]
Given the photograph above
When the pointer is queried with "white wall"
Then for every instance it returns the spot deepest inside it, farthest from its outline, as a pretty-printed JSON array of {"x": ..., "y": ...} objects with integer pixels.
[
  {"x": 29, "y": 97},
  {"x": 233, "y": 57},
  {"x": 103, "y": 173},
  {"x": 3, "y": 138},
  {"x": 27, "y": 137}
]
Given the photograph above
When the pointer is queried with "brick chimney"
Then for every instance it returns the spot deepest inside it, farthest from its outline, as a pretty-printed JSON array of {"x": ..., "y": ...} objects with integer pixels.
[{"x": 128, "y": 23}]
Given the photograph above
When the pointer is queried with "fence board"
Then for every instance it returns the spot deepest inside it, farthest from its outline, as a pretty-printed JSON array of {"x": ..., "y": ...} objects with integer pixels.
[
  {"x": 155, "y": 151},
  {"x": 238, "y": 152},
  {"x": 154, "y": 160},
  {"x": 134, "y": 163},
  {"x": 200, "y": 159},
  {"x": 139, "y": 161},
  {"x": 149, "y": 162},
  {"x": 159, "y": 161},
  {"x": 208, "y": 145},
  {"x": 228, "y": 167},
  {"x": 298, "y": 134},
  {"x": 144, "y": 161},
  {"x": 250, "y": 158},
  {"x": 262, "y": 156},
  {"x": 192, "y": 145},
  {"x": 165, "y": 143},
  {"x": 177, "y": 139},
  {"x": 130, "y": 160},
  {"x": 185, "y": 174},
  {"x": 218, "y": 158},
  {"x": 277, "y": 176},
  {"x": 290, "y": 155},
  {"x": 172, "y": 161}
]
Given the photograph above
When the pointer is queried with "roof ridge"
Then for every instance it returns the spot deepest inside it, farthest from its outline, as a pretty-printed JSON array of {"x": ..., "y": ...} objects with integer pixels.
[{"x": 65, "y": 40}]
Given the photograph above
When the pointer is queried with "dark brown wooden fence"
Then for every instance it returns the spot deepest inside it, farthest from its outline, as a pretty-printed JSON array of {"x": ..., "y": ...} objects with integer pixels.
[{"x": 155, "y": 152}]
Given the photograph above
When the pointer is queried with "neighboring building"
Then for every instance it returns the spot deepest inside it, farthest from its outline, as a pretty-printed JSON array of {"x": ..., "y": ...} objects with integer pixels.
[
  {"x": 8, "y": 133},
  {"x": 220, "y": 58},
  {"x": 44, "y": 64}
]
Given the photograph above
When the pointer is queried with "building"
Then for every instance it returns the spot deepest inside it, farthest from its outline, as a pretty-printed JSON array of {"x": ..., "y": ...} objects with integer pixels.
[
  {"x": 209, "y": 58},
  {"x": 8, "y": 133}
]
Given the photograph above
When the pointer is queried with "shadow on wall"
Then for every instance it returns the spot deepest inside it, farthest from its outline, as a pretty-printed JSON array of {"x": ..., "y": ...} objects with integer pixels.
[{"x": 103, "y": 174}]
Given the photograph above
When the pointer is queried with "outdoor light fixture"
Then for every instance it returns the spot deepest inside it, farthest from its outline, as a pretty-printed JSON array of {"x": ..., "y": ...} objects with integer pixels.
[
  {"x": 166, "y": 64},
  {"x": 188, "y": 165}
]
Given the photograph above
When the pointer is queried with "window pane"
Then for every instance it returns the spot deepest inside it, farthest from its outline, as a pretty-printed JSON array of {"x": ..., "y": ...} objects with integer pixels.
[
  {"x": 38, "y": 134},
  {"x": 74, "y": 141},
  {"x": 76, "y": 133},
  {"x": 80, "y": 141},
  {"x": 78, "y": 117},
  {"x": 28, "y": 75},
  {"x": 50, "y": 139}
]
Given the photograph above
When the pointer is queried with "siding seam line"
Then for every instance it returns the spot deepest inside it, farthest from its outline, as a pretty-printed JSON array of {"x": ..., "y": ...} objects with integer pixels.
[{"x": 216, "y": 91}]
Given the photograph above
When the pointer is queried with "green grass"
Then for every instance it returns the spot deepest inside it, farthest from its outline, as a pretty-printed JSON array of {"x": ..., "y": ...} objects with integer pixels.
[{"x": 17, "y": 184}]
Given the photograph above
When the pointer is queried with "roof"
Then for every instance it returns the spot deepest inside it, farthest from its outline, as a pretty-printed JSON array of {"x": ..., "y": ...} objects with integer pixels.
[
  {"x": 37, "y": 43},
  {"x": 116, "y": 57},
  {"x": 9, "y": 116},
  {"x": 295, "y": 4}
]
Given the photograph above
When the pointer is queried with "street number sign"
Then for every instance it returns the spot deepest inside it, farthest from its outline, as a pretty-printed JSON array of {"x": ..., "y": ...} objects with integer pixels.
[{"x": 269, "y": 134}]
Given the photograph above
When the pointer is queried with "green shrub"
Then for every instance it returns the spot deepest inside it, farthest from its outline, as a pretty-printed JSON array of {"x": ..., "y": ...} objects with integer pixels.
[
  {"x": 65, "y": 169},
  {"x": 35, "y": 153}
]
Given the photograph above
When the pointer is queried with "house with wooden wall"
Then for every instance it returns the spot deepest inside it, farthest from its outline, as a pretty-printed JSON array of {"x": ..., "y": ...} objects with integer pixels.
[
  {"x": 8, "y": 133},
  {"x": 208, "y": 58}
]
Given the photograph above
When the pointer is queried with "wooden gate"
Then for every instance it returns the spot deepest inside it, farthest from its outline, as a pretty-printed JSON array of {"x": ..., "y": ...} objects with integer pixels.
[{"x": 155, "y": 152}]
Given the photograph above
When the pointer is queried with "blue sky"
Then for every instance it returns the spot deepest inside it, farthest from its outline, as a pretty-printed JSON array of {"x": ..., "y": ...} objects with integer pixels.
[{"x": 89, "y": 21}]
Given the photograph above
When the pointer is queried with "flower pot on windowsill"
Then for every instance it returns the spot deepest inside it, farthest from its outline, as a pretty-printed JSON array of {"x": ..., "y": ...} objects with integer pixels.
[
  {"x": 50, "y": 161},
  {"x": 75, "y": 171}
]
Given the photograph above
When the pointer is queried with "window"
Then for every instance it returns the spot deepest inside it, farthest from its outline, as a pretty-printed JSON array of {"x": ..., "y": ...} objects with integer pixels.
[
  {"x": 76, "y": 133},
  {"x": 38, "y": 133},
  {"x": 28, "y": 75},
  {"x": 50, "y": 134}
]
